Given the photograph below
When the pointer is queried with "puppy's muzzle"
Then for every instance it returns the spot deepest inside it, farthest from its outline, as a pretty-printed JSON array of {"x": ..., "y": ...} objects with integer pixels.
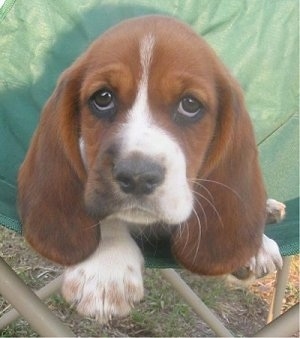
[{"x": 138, "y": 175}]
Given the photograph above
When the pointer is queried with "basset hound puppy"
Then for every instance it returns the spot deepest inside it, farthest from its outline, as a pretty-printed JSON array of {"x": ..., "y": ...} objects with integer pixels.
[{"x": 146, "y": 127}]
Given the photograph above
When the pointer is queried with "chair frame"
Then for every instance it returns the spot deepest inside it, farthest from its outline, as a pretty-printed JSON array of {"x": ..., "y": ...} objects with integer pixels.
[{"x": 31, "y": 307}]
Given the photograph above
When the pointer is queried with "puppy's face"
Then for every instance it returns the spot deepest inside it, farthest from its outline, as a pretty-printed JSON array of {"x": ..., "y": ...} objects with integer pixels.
[
  {"x": 147, "y": 126},
  {"x": 148, "y": 113}
]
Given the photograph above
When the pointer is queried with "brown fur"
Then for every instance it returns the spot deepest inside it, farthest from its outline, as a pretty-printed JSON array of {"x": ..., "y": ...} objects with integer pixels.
[
  {"x": 51, "y": 183},
  {"x": 231, "y": 192},
  {"x": 222, "y": 164}
]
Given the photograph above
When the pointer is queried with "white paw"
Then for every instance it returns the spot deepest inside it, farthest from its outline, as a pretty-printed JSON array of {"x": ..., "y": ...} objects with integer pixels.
[
  {"x": 268, "y": 258},
  {"x": 275, "y": 211},
  {"x": 108, "y": 283}
]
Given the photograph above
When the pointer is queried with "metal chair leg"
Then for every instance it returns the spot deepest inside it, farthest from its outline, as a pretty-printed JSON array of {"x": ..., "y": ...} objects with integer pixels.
[
  {"x": 279, "y": 291},
  {"x": 27, "y": 303},
  {"x": 285, "y": 325},
  {"x": 44, "y": 293},
  {"x": 195, "y": 302}
]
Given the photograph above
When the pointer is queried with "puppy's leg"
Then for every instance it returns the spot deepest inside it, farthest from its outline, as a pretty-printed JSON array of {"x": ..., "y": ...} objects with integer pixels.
[
  {"x": 110, "y": 281},
  {"x": 268, "y": 258},
  {"x": 275, "y": 211}
]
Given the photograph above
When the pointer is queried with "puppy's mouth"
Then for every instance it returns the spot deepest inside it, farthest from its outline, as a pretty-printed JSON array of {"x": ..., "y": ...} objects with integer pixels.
[{"x": 136, "y": 215}]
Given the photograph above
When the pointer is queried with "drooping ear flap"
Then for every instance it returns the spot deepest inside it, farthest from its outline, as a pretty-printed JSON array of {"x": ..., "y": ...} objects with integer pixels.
[
  {"x": 226, "y": 227},
  {"x": 51, "y": 181}
]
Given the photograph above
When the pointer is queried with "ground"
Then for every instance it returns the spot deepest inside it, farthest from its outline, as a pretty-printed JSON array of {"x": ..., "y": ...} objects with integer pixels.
[{"x": 162, "y": 312}]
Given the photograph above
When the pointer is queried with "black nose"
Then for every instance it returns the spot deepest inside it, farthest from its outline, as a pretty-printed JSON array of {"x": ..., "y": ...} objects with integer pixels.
[{"x": 138, "y": 175}]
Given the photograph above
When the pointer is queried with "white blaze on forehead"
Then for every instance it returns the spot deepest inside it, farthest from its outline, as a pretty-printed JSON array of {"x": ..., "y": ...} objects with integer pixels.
[
  {"x": 139, "y": 121},
  {"x": 142, "y": 133},
  {"x": 146, "y": 52}
]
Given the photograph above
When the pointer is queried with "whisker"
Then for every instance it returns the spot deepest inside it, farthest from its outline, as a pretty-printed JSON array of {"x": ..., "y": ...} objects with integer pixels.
[
  {"x": 221, "y": 184},
  {"x": 204, "y": 188},
  {"x": 180, "y": 232},
  {"x": 187, "y": 239},
  {"x": 212, "y": 205},
  {"x": 203, "y": 210},
  {"x": 199, "y": 236},
  {"x": 188, "y": 231},
  {"x": 180, "y": 227},
  {"x": 147, "y": 236},
  {"x": 93, "y": 226}
]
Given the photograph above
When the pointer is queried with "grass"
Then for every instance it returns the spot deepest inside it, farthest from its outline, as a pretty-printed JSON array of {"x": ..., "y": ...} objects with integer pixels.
[{"x": 162, "y": 312}]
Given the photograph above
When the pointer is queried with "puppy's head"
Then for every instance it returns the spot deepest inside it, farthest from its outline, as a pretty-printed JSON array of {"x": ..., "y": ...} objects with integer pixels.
[{"x": 147, "y": 126}]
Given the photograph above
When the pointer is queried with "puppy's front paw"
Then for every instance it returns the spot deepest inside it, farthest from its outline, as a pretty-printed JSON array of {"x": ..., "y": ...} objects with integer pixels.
[
  {"x": 107, "y": 284},
  {"x": 275, "y": 211},
  {"x": 268, "y": 258}
]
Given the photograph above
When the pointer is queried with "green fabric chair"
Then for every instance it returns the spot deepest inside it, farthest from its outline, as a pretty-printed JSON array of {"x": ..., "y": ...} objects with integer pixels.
[{"x": 258, "y": 40}]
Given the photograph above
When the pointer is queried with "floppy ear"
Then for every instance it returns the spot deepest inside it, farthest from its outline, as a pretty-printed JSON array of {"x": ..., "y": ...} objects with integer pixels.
[
  {"x": 226, "y": 227},
  {"x": 51, "y": 180}
]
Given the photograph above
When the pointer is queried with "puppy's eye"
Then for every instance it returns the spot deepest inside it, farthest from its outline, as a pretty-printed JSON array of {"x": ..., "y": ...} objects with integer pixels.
[
  {"x": 189, "y": 109},
  {"x": 103, "y": 104}
]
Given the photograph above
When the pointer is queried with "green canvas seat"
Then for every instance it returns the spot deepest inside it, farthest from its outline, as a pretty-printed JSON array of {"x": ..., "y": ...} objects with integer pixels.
[{"x": 257, "y": 40}]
